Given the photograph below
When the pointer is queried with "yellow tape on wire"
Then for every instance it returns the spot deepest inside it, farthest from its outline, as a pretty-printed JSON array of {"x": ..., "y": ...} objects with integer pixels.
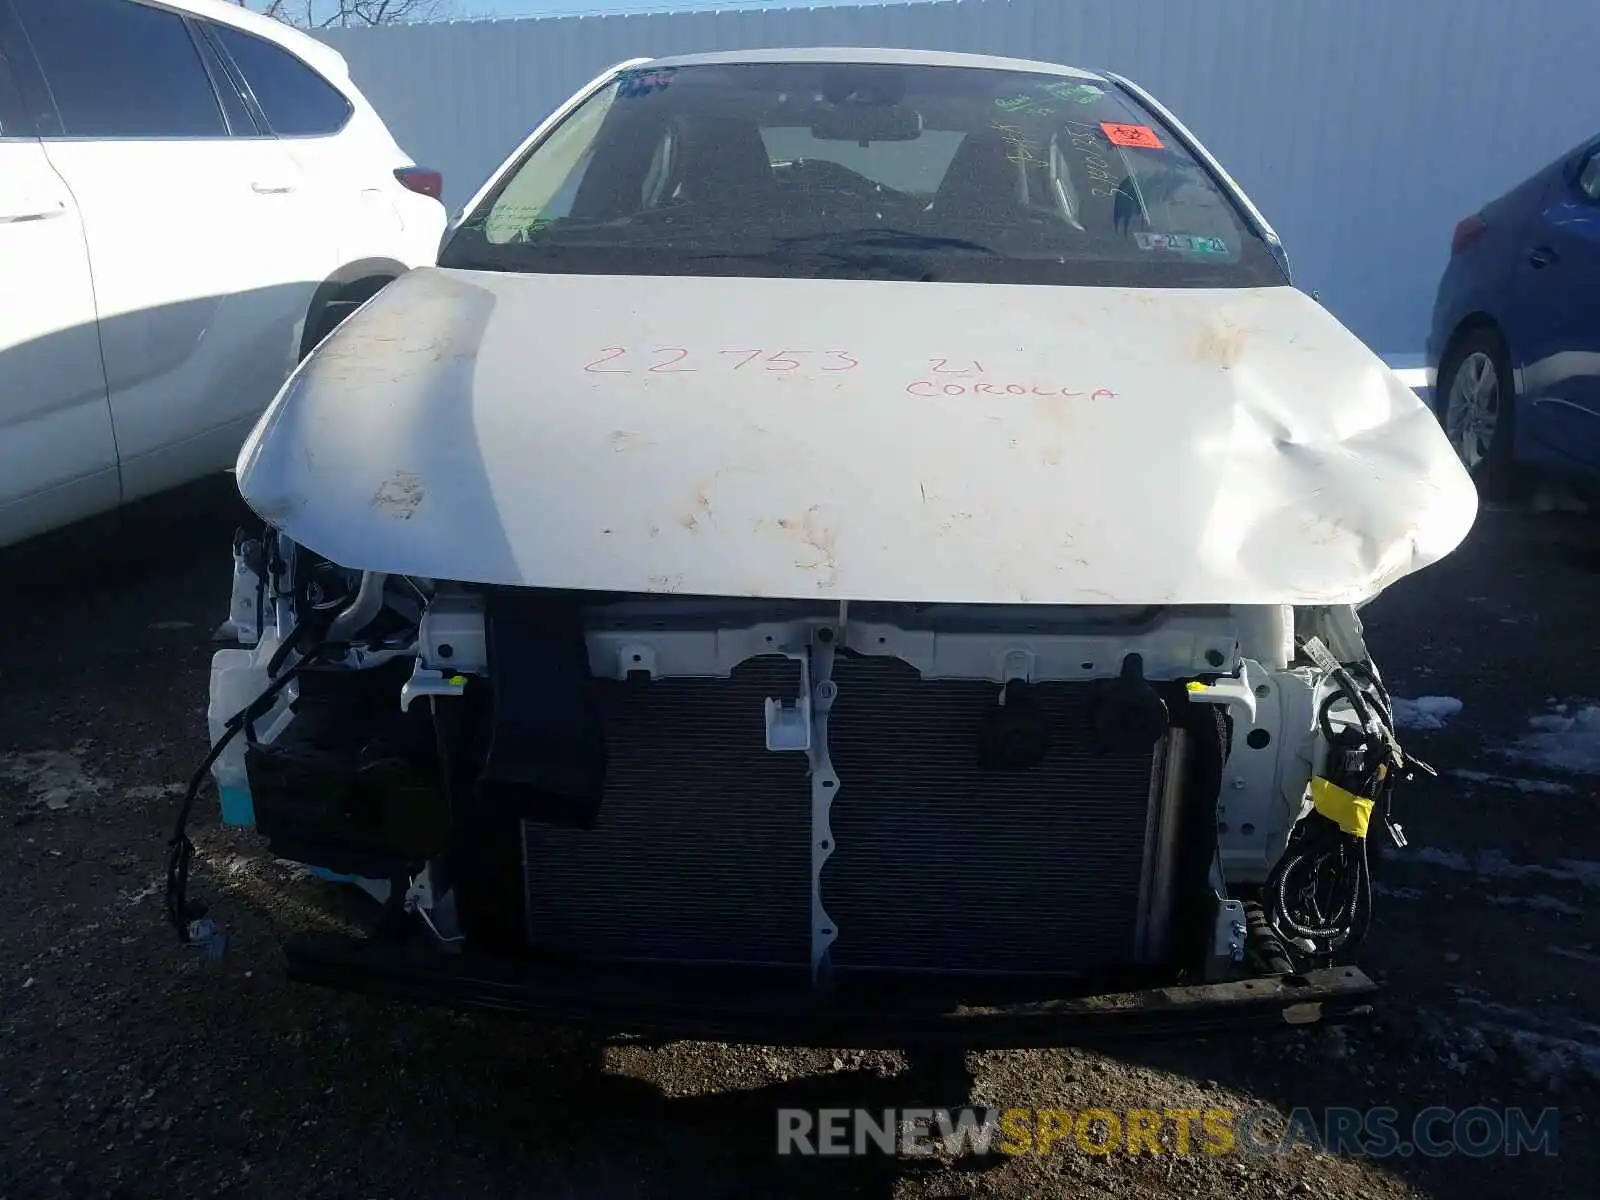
[{"x": 1351, "y": 812}]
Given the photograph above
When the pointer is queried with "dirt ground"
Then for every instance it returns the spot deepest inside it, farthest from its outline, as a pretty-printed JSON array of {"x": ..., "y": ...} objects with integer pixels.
[{"x": 128, "y": 1067}]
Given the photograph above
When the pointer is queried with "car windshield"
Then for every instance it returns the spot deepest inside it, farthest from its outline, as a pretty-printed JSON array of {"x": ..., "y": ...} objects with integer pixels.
[{"x": 851, "y": 170}]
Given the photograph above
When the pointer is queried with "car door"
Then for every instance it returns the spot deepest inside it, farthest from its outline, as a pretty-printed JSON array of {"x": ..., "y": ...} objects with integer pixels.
[
  {"x": 313, "y": 120},
  {"x": 205, "y": 249},
  {"x": 1556, "y": 299},
  {"x": 58, "y": 459}
]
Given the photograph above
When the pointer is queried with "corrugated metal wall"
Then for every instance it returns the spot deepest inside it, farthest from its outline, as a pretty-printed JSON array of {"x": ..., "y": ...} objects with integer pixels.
[{"x": 1363, "y": 128}]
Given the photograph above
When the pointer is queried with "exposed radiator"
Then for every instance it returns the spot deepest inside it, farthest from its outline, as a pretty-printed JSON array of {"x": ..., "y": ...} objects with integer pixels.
[
  {"x": 701, "y": 853},
  {"x": 941, "y": 866}
]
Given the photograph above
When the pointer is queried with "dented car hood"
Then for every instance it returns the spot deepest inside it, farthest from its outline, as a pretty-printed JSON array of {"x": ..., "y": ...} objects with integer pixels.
[{"x": 858, "y": 439}]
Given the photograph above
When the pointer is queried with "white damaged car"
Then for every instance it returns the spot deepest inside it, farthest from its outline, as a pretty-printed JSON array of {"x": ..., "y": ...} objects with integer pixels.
[{"x": 846, "y": 546}]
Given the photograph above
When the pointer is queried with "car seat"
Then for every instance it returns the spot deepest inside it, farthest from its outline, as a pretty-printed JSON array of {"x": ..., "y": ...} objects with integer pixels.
[
  {"x": 983, "y": 182},
  {"x": 724, "y": 163}
]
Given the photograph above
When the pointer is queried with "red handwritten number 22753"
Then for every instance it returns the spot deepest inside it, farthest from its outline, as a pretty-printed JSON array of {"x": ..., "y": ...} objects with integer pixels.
[{"x": 670, "y": 360}]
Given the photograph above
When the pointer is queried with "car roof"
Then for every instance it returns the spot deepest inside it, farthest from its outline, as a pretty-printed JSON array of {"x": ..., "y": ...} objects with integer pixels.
[
  {"x": 319, "y": 54},
  {"x": 869, "y": 54}
]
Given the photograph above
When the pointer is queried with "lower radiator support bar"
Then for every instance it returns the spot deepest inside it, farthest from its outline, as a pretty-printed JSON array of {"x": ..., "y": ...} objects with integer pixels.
[{"x": 647, "y": 1001}]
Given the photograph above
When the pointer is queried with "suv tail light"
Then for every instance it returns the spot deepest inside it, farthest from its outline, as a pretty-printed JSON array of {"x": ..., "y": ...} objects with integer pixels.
[
  {"x": 424, "y": 180},
  {"x": 1466, "y": 232}
]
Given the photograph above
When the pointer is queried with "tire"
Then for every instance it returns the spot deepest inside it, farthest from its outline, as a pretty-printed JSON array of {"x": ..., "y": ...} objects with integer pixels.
[
  {"x": 1474, "y": 400},
  {"x": 335, "y": 311}
]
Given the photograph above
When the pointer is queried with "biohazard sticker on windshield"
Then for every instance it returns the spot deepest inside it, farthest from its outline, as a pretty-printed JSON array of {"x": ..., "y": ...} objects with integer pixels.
[
  {"x": 1138, "y": 137},
  {"x": 1183, "y": 243}
]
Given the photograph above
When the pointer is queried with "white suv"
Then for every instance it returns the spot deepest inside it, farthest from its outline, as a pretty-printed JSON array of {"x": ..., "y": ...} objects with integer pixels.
[{"x": 191, "y": 197}]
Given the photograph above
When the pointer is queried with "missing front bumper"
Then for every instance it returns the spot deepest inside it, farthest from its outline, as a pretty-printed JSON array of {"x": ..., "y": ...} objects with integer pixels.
[{"x": 654, "y": 1002}]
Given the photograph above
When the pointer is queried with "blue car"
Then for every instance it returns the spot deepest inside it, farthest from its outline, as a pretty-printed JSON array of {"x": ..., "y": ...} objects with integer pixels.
[{"x": 1515, "y": 342}]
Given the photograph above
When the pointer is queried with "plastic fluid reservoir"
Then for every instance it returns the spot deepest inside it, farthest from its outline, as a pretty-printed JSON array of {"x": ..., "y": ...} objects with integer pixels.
[{"x": 237, "y": 678}]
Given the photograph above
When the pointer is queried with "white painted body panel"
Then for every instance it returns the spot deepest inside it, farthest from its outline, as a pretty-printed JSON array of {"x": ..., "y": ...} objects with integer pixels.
[
  {"x": 966, "y": 443},
  {"x": 177, "y": 275},
  {"x": 203, "y": 281},
  {"x": 349, "y": 183},
  {"x": 58, "y": 460}
]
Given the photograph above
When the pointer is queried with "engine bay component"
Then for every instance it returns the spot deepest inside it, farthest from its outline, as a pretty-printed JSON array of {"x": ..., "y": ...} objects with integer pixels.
[
  {"x": 1318, "y": 898},
  {"x": 546, "y": 760},
  {"x": 350, "y": 782},
  {"x": 982, "y": 804},
  {"x": 1132, "y": 716}
]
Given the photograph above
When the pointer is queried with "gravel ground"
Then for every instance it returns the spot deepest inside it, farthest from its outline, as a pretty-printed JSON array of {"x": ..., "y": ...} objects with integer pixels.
[{"x": 130, "y": 1068}]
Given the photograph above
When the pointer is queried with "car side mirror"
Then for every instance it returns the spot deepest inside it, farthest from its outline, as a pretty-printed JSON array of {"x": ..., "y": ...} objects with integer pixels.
[{"x": 1588, "y": 178}]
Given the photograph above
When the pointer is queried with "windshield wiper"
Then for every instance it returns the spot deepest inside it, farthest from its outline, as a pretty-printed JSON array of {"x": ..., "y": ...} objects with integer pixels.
[{"x": 886, "y": 239}]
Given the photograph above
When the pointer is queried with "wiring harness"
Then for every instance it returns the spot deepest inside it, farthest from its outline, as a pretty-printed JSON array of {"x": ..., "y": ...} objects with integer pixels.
[
  {"x": 186, "y": 915},
  {"x": 1318, "y": 898}
]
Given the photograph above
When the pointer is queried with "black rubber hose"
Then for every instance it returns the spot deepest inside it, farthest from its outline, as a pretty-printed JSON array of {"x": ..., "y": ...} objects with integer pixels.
[
  {"x": 180, "y": 850},
  {"x": 1263, "y": 942}
]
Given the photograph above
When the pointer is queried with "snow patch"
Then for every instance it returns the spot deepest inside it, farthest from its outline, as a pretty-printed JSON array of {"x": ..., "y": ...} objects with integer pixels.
[
  {"x": 1549, "y": 1021},
  {"x": 1493, "y": 864},
  {"x": 53, "y": 778},
  {"x": 153, "y": 888},
  {"x": 1548, "y": 1059},
  {"x": 1552, "y": 1047},
  {"x": 1430, "y": 856},
  {"x": 1425, "y": 712},
  {"x": 153, "y": 791},
  {"x": 1539, "y": 903},
  {"x": 1562, "y": 740},
  {"x": 1398, "y": 893},
  {"x": 1582, "y": 956},
  {"x": 1531, "y": 787}
]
